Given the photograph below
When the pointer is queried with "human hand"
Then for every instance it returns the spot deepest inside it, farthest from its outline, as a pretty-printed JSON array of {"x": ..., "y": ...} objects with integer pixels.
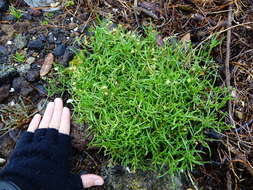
[{"x": 41, "y": 158}]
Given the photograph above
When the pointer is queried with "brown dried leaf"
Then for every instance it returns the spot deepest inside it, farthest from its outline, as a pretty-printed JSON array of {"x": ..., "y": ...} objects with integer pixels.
[
  {"x": 186, "y": 38},
  {"x": 47, "y": 65}
]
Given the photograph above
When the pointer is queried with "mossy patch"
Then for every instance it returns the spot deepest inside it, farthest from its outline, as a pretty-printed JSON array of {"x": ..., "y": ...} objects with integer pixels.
[{"x": 147, "y": 106}]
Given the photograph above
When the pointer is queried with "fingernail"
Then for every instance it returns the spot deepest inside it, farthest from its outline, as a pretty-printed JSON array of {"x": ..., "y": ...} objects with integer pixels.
[{"x": 99, "y": 182}]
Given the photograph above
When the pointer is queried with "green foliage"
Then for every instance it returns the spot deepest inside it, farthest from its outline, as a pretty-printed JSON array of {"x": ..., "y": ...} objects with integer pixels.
[
  {"x": 19, "y": 57},
  {"x": 69, "y": 3},
  {"x": 147, "y": 106},
  {"x": 16, "y": 12}
]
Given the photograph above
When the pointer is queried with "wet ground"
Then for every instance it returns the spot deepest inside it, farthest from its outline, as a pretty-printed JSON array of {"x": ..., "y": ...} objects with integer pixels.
[{"x": 26, "y": 42}]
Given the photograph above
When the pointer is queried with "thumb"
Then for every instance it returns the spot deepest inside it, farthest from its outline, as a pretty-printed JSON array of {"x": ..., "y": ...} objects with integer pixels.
[{"x": 90, "y": 180}]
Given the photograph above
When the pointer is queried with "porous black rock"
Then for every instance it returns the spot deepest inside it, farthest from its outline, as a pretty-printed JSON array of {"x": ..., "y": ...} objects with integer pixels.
[
  {"x": 3, "y": 51},
  {"x": 67, "y": 57},
  {"x": 32, "y": 76},
  {"x": 4, "y": 5},
  {"x": 22, "y": 86},
  {"x": 36, "y": 44},
  {"x": 59, "y": 50},
  {"x": 7, "y": 74}
]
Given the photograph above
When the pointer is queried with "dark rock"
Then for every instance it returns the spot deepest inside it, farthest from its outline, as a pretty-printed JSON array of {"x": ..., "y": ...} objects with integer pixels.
[
  {"x": 4, "y": 5},
  {"x": 7, "y": 73},
  {"x": 9, "y": 18},
  {"x": 22, "y": 86},
  {"x": 20, "y": 41},
  {"x": 33, "y": 76},
  {"x": 42, "y": 38},
  {"x": 67, "y": 57},
  {"x": 59, "y": 50},
  {"x": 36, "y": 45},
  {"x": 50, "y": 38},
  {"x": 35, "y": 12},
  {"x": 3, "y": 51},
  {"x": 4, "y": 92},
  {"x": 41, "y": 89},
  {"x": 26, "y": 16},
  {"x": 23, "y": 69}
]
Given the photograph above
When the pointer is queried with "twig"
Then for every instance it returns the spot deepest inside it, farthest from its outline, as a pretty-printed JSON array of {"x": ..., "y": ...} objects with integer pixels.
[
  {"x": 192, "y": 182},
  {"x": 135, "y": 12},
  {"x": 227, "y": 71},
  {"x": 220, "y": 32}
]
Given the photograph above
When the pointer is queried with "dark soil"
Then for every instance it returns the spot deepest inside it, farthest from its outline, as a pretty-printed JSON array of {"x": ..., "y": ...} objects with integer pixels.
[{"x": 39, "y": 33}]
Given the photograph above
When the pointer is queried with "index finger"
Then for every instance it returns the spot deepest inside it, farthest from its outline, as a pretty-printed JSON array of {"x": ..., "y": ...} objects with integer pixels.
[{"x": 65, "y": 121}]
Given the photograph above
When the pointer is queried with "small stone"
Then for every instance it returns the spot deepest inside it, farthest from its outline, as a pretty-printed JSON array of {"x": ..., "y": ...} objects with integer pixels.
[
  {"x": 32, "y": 76},
  {"x": 22, "y": 86},
  {"x": 69, "y": 101},
  {"x": 3, "y": 51},
  {"x": 23, "y": 69},
  {"x": 36, "y": 45},
  {"x": 9, "y": 42},
  {"x": 7, "y": 73},
  {"x": 26, "y": 16},
  {"x": 59, "y": 50},
  {"x": 41, "y": 89},
  {"x": 4, "y": 92},
  {"x": 20, "y": 41},
  {"x": 9, "y": 18},
  {"x": 3, "y": 6},
  {"x": 50, "y": 38},
  {"x": 12, "y": 90},
  {"x": 30, "y": 60},
  {"x": 2, "y": 161},
  {"x": 42, "y": 38},
  {"x": 35, "y": 12},
  {"x": 67, "y": 57}
]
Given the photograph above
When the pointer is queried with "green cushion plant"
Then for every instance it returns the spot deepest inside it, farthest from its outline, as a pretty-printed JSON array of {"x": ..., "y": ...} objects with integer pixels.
[{"x": 147, "y": 106}]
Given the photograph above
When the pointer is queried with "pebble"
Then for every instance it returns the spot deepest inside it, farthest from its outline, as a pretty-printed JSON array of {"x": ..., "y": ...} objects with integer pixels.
[
  {"x": 20, "y": 41},
  {"x": 3, "y": 51},
  {"x": 3, "y": 5},
  {"x": 41, "y": 89},
  {"x": 12, "y": 90},
  {"x": 67, "y": 57},
  {"x": 9, "y": 18},
  {"x": 42, "y": 38},
  {"x": 50, "y": 38},
  {"x": 35, "y": 12},
  {"x": 7, "y": 73},
  {"x": 32, "y": 76},
  {"x": 26, "y": 16},
  {"x": 36, "y": 45},
  {"x": 69, "y": 101},
  {"x": 4, "y": 92},
  {"x": 30, "y": 60},
  {"x": 59, "y": 50},
  {"x": 2, "y": 161},
  {"x": 23, "y": 69},
  {"x": 9, "y": 42},
  {"x": 22, "y": 86}
]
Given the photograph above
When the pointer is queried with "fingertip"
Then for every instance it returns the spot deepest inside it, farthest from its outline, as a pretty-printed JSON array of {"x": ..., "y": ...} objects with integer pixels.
[
  {"x": 34, "y": 124},
  {"x": 65, "y": 121},
  {"x": 90, "y": 180}
]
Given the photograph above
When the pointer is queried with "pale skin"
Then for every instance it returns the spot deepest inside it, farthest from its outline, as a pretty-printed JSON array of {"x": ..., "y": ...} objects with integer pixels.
[{"x": 58, "y": 117}]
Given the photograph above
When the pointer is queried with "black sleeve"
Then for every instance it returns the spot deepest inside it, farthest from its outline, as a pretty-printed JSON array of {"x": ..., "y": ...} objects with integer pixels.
[{"x": 8, "y": 185}]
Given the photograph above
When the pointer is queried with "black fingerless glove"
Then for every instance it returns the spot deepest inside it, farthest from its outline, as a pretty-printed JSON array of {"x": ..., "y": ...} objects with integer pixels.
[{"x": 40, "y": 161}]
